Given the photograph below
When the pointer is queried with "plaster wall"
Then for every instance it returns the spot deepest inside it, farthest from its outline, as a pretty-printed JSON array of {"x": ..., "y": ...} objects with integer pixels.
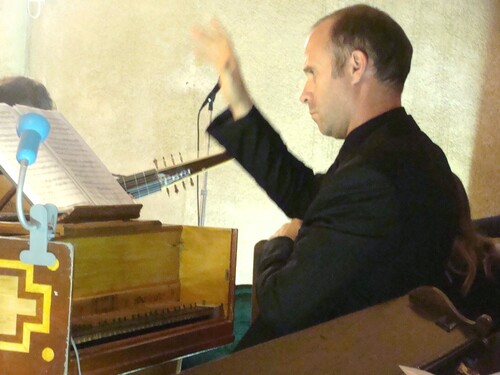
[
  {"x": 123, "y": 73},
  {"x": 13, "y": 32}
]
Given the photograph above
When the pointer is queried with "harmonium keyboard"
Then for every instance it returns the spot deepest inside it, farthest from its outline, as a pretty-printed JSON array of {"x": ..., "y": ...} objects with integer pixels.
[{"x": 143, "y": 293}]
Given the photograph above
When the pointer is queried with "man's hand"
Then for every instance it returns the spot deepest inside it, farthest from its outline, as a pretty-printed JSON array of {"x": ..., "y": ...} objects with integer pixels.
[
  {"x": 213, "y": 45},
  {"x": 289, "y": 230}
]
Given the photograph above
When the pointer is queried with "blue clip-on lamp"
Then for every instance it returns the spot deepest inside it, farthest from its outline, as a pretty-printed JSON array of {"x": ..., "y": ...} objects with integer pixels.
[{"x": 33, "y": 129}]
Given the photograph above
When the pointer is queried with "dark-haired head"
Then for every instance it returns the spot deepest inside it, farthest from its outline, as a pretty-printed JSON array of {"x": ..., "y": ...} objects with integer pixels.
[
  {"x": 378, "y": 36},
  {"x": 25, "y": 91}
]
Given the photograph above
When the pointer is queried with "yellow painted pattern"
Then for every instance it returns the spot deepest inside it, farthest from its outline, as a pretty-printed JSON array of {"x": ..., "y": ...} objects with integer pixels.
[
  {"x": 46, "y": 290},
  {"x": 54, "y": 267},
  {"x": 13, "y": 305},
  {"x": 48, "y": 354}
]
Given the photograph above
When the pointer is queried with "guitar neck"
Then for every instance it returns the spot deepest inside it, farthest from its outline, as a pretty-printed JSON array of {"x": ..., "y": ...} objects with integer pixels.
[{"x": 151, "y": 181}]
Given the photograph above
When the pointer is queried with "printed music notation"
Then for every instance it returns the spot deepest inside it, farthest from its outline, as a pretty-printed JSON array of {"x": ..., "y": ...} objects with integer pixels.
[{"x": 67, "y": 172}]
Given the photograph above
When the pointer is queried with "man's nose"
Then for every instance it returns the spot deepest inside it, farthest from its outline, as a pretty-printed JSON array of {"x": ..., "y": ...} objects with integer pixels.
[{"x": 305, "y": 96}]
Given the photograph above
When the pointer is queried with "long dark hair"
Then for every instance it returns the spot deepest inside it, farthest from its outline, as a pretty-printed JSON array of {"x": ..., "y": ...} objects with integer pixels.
[{"x": 471, "y": 250}]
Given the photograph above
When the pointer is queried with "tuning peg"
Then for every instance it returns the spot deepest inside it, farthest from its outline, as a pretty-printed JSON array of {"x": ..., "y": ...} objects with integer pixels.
[
  {"x": 191, "y": 182},
  {"x": 164, "y": 162},
  {"x": 168, "y": 191},
  {"x": 155, "y": 162},
  {"x": 176, "y": 189}
]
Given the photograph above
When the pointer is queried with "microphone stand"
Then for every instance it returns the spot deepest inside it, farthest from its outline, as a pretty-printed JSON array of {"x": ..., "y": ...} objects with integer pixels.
[{"x": 204, "y": 191}]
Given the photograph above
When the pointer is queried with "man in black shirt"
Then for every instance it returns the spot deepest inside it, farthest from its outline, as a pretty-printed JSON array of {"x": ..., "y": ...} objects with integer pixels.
[{"x": 382, "y": 219}]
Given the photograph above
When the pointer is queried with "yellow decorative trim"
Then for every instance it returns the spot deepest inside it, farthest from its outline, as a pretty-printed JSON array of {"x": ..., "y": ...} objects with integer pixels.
[
  {"x": 48, "y": 354},
  {"x": 54, "y": 267},
  {"x": 46, "y": 290}
]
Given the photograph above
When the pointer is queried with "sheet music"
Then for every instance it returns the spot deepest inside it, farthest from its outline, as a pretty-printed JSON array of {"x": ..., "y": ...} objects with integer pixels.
[
  {"x": 82, "y": 163},
  {"x": 67, "y": 172}
]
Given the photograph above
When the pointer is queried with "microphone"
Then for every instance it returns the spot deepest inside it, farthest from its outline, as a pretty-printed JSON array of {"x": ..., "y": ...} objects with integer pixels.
[
  {"x": 211, "y": 96},
  {"x": 32, "y": 129}
]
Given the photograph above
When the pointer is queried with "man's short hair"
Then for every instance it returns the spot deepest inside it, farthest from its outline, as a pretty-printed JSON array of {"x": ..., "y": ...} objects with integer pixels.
[
  {"x": 25, "y": 91},
  {"x": 375, "y": 33}
]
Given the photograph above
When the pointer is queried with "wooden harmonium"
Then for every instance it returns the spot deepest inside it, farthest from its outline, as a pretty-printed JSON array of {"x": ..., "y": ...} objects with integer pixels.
[{"x": 146, "y": 293}]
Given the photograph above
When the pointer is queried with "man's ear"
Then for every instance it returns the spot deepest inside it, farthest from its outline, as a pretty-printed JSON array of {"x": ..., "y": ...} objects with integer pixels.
[{"x": 358, "y": 65}]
